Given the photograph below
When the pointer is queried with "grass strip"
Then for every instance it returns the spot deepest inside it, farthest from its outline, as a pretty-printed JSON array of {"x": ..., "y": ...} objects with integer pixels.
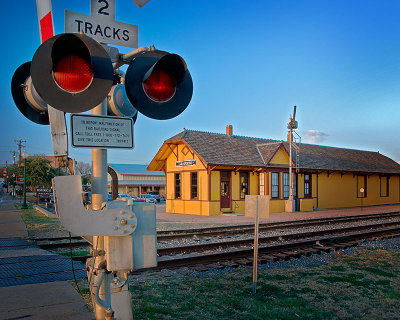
[{"x": 364, "y": 285}]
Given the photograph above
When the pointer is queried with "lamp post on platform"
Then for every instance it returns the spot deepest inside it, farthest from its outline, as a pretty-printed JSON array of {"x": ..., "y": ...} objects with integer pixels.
[{"x": 24, "y": 156}]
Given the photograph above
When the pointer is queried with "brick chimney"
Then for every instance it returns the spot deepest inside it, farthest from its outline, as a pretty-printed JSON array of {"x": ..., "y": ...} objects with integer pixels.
[{"x": 229, "y": 130}]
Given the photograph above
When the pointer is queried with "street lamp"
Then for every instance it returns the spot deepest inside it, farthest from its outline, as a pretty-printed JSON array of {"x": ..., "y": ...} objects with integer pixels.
[{"x": 24, "y": 155}]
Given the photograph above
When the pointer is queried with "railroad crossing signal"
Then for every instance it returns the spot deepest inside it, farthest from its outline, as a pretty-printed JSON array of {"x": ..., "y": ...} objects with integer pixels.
[
  {"x": 159, "y": 84},
  {"x": 74, "y": 73}
]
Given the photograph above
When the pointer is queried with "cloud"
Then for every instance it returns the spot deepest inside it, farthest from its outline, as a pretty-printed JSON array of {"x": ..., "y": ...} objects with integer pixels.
[{"x": 314, "y": 136}]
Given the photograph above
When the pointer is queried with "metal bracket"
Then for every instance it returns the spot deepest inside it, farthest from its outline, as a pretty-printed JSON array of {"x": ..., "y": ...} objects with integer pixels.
[
  {"x": 58, "y": 130},
  {"x": 74, "y": 217}
]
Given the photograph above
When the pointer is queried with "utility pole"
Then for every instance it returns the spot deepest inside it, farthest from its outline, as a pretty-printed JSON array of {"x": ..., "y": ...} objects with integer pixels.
[
  {"x": 292, "y": 125},
  {"x": 20, "y": 146},
  {"x": 14, "y": 153}
]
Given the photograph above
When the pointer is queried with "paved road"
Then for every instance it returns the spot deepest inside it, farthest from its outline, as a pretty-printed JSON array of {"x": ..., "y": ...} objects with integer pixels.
[{"x": 31, "y": 283}]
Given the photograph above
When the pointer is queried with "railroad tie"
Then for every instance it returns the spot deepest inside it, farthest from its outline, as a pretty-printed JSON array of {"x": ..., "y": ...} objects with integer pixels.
[
  {"x": 324, "y": 248},
  {"x": 317, "y": 250},
  {"x": 215, "y": 266},
  {"x": 243, "y": 262},
  {"x": 280, "y": 256},
  {"x": 305, "y": 252},
  {"x": 229, "y": 264},
  {"x": 292, "y": 253},
  {"x": 268, "y": 257},
  {"x": 312, "y": 250}
]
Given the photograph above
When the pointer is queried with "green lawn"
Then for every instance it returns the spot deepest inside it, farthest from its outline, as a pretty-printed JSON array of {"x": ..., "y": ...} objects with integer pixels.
[
  {"x": 39, "y": 226},
  {"x": 365, "y": 285}
]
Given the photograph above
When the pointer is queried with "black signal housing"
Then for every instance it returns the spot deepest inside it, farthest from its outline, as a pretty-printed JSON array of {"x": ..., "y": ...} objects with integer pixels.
[{"x": 159, "y": 84}]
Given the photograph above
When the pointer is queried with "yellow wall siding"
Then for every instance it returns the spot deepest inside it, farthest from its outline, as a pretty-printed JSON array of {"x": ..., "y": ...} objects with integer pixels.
[
  {"x": 253, "y": 183},
  {"x": 374, "y": 193},
  {"x": 306, "y": 204},
  {"x": 214, "y": 208},
  {"x": 333, "y": 191},
  {"x": 300, "y": 186},
  {"x": 277, "y": 206},
  {"x": 237, "y": 203},
  {"x": 186, "y": 204},
  {"x": 235, "y": 186},
  {"x": 215, "y": 187},
  {"x": 336, "y": 190},
  {"x": 314, "y": 185},
  {"x": 280, "y": 157},
  {"x": 181, "y": 156}
]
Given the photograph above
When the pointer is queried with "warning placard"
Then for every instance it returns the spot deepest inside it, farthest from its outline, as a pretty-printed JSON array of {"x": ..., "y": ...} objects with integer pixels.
[{"x": 89, "y": 131}]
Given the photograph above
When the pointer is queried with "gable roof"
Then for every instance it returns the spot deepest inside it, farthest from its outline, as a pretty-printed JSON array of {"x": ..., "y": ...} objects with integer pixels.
[
  {"x": 341, "y": 159},
  {"x": 221, "y": 149},
  {"x": 137, "y": 169},
  {"x": 239, "y": 151},
  {"x": 268, "y": 150}
]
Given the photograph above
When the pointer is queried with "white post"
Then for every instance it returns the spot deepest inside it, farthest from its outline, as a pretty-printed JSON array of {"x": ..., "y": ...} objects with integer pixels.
[
  {"x": 255, "y": 258},
  {"x": 99, "y": 195}
]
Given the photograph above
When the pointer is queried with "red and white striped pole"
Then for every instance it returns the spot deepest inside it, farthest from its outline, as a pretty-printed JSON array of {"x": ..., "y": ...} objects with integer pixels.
[
  {"x": 45, "y": 17},
  {"x": 58, "y": 127}
]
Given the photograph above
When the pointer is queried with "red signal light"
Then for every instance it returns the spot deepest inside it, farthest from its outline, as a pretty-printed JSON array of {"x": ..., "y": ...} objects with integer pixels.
[
  {"x": 73, "y": 73},
  {"x": 159, "y": 86}
]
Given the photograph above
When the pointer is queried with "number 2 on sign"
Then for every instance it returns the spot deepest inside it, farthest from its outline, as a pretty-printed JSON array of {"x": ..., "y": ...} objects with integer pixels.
[{"x": 106, "y": 5}]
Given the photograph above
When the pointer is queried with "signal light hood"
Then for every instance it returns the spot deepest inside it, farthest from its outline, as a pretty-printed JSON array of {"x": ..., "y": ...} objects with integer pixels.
[
  {"x": 156, "y": 98},
  {"x": 25, "y": 97},
  {"x": 72, "y": 92}
]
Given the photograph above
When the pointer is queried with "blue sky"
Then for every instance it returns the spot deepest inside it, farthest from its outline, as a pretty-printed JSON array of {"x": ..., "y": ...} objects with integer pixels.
[{"x": 251, "y": 62}]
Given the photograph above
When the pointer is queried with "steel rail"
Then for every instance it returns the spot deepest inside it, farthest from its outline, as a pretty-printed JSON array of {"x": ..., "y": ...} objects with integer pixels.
[
  {"x": 324, "y": 245},
  {"x": 285, "y": 237}
]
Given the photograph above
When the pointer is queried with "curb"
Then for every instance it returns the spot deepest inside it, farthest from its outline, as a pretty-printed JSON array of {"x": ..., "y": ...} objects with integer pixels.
[{"x": 45, "y": 212}]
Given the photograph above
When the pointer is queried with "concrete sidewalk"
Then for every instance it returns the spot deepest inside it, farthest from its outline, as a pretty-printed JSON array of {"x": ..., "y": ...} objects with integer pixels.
[{"x": 49, "y": 300}]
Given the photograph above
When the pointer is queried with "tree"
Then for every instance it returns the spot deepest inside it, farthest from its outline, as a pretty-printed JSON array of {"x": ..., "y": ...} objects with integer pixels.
[
  {"x": 85, "y": 170},
  {"x": 39, "y": 172},
  {"x": 12, "y": 172}
]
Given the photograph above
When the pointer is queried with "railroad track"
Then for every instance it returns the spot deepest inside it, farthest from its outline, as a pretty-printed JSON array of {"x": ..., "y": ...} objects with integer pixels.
[
  {"x": 232, "y": 253},
  {"x": 231, "y": 230},
  {"x": 274, "y": 252}
]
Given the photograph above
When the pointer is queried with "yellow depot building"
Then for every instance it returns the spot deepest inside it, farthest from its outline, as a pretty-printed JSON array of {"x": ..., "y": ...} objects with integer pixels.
[{"x": 211, "y": 173}]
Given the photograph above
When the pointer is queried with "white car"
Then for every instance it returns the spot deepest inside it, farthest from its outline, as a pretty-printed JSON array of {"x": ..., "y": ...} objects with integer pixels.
[
  {"x": 146, "y": 198},
  {"x": 124, "y": 197}
]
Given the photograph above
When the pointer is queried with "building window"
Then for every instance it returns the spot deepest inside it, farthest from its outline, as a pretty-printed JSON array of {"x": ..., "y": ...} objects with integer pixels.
[
  {"x": 262, "y": 183},
  {"x": 244, "y": 184},
  {"x": 275, "y": 185},
  {"x": 361, "y": 186},
  {"x": 193, "y": 183},
  {"x": 286, "y": 186},
  {"x": 384, "y": 186},
  {"x": 307, "y": 186},
  {"x": 177, "y": 185}
]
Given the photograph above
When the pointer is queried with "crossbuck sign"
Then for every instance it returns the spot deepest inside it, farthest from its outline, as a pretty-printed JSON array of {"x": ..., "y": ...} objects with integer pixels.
[{"x": 101, "y": 25}]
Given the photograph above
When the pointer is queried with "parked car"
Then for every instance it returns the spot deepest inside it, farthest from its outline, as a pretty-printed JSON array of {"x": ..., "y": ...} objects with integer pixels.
[
  {"x": 146, "y": 198},
  {"x": 124, "y": 197},
  {"x": 155, "y": 195}
]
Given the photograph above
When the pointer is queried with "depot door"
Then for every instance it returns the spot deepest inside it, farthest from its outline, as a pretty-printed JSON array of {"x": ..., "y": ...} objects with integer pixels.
[{"x": 225, "y": 189}]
